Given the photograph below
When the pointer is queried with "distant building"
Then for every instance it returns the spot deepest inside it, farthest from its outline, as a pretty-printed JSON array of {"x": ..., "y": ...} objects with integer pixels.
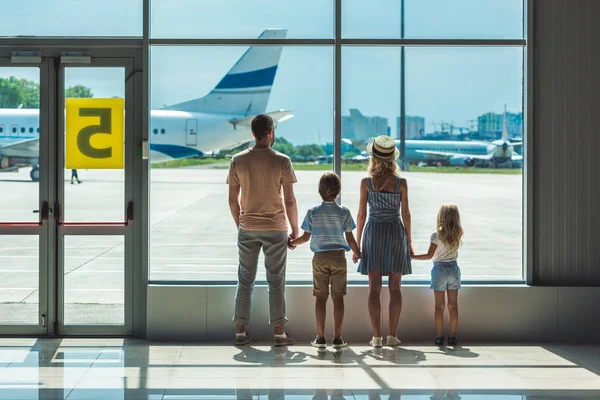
[
  {"x": 359, "y": 127},
  {"x": 490, "y": 124},
  {"x": 415, "y": 127}
]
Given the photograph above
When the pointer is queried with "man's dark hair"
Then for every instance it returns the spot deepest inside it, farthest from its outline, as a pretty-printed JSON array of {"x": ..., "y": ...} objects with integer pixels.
[
  {"x": 262, "y": 125},
  {"x": 330, "y": 186}
]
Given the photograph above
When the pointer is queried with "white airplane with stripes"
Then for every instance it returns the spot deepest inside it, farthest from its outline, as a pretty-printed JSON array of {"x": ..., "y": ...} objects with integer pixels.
[{"x": 203, "y": 126}]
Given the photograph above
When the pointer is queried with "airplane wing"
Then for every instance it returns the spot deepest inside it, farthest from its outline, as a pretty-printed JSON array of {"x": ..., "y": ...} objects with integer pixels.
[
  {"x": 20, "y": 147},
  {"x": 444, "y": 154},
  {"x": 278, "y": 116},
  {"x": 516, "y": 157}
]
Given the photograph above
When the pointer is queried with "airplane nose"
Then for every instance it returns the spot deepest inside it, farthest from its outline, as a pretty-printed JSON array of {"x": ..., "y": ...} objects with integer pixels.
[{"x": 504, "y": 146}]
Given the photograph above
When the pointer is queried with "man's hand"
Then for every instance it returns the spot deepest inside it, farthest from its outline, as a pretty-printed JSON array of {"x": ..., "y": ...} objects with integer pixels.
[
  {"x": 355, "y": 257},
  {"x": 292, "y": 236}
]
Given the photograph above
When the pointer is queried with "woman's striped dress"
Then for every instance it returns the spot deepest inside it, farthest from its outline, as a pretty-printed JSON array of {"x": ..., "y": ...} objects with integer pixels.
[{"x": 384, "y": 246}]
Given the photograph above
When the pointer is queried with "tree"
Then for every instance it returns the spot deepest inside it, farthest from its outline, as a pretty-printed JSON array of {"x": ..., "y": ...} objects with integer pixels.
[
  {"x": 19, "y": 92},
  {"x": 79, "y": 92},
  {"x": 283, "y": 146},
  {"x": 310, "y": 151}
]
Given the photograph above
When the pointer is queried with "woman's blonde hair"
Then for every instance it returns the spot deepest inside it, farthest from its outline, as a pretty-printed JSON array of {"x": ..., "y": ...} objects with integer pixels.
[
  {"x": 381, "y": 172},
  {"x": 449, "y": 229}
]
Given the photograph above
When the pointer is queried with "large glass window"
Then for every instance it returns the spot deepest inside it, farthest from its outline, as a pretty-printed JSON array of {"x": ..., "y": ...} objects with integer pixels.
[
  {"x": 241, "y": 18},
  {"x": 463, "y": 112},
  {"x": 433, "y": 19},
  {"x": 204, "y": 108},
  {"x": 71, "y": 18}
]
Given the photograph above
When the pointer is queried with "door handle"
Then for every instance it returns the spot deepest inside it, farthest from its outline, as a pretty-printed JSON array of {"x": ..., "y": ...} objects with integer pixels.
[
  {"x": 130, "y": 211},
  {"x": 45, "y": 212}
]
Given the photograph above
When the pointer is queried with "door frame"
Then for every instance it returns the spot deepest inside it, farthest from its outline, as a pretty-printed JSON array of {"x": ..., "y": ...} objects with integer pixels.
[{"x": 129, "y": 54}]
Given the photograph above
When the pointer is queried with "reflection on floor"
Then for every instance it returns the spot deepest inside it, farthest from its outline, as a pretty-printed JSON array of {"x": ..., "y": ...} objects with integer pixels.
[{"x": 132, "y": 369}]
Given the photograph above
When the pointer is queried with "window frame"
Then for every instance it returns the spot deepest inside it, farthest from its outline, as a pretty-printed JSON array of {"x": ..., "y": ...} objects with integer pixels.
[{"x": 338, "y": 43}]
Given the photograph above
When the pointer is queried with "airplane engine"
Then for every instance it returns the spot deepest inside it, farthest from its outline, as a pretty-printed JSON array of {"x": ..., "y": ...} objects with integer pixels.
[{"x": 458, "y": 161}]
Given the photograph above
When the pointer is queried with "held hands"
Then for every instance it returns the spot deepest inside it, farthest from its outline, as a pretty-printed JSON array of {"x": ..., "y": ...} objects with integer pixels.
[
  {"x": 355, "y": 257},
  {"x": 291, "y": 238}
]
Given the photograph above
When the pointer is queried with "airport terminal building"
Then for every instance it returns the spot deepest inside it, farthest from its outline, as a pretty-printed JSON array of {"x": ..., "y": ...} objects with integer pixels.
[{"x": 118, "y": 251}]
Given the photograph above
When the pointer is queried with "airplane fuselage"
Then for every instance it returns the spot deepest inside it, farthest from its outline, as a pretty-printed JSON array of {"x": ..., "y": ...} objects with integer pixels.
[{"x": 173, "y": 134}]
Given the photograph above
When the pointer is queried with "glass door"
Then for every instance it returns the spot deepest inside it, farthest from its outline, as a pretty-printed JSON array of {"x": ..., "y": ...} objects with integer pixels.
[
  {"x": 95, "y": 196},
  {"x": 24, "y": 211}
]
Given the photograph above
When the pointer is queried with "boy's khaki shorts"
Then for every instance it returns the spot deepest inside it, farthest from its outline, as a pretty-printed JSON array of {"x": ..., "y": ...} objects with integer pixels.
[{"x": 329, "y": 267}]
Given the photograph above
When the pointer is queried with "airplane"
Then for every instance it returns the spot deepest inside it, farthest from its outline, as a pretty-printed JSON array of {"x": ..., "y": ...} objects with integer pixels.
[
  {"x": 455, "y": 153},
  {"x": 199, "y": 127}
]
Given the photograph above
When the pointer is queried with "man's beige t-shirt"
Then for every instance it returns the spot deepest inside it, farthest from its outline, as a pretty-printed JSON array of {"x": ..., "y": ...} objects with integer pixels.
[{"x": 261, "y": 173}]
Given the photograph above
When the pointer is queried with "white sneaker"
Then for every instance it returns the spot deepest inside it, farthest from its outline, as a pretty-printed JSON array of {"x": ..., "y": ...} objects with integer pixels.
[
  {"x": 393, "y": 341},
  {"x": 376, "y": 342}
]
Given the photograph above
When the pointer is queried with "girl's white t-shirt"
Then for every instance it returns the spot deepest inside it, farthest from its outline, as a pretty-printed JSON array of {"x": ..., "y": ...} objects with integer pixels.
[{"x": 442, "y": 254}]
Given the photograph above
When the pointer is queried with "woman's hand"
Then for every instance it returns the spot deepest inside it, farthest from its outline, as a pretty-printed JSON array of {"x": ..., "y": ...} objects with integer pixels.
[{"x": 355, "y": 257}]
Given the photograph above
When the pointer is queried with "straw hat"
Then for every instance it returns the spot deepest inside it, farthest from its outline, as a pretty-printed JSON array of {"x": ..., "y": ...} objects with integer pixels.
[{"x": 383, "y": 148}]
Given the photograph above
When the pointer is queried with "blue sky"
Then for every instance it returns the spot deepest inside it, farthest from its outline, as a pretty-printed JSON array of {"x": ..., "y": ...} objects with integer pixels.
[{"x": 451, "y": 84}]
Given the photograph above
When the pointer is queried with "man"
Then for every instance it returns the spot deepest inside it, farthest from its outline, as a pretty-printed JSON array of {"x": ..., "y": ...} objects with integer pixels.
[{"x": 260, "y": 173}]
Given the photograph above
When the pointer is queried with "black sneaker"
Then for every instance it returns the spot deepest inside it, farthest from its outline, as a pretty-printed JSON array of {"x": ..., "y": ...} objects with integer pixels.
[
  {"x": 439, "y": 341},
  {"x": 319, "y": 342},
  {"x": 452, "y": 341},
  {"x": 338, "y": 343}
]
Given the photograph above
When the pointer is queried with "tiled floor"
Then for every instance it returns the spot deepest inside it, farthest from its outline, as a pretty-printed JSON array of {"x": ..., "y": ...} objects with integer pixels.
[{"x": 130, "y": 369}]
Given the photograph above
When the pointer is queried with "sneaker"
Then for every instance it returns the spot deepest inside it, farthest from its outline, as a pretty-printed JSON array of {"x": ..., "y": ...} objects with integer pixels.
[
  {"x": 439, "y": 341},
  {"x": 319, "y": 342},
  {"x": 452, "y": 341},
  {"x": 338, "y": 343},
  {"x": 242, "y": 340},
  {"x": 376, "y": 342},
  {"x": 393, "y": 341},
  {"x": 285, "y": 341}
]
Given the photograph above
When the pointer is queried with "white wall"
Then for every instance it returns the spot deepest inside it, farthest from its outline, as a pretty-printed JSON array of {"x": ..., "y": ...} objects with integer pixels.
[{"x": 490, "y": 313}]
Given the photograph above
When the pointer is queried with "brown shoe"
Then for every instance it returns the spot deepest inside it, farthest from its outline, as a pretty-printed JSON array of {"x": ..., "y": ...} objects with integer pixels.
[
  {"x": 242, "y": 340},
  {"x": 286, "y": 341}
]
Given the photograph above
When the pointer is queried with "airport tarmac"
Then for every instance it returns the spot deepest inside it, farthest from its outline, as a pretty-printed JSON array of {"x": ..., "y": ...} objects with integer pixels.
[{"x": 193, "y": 236}]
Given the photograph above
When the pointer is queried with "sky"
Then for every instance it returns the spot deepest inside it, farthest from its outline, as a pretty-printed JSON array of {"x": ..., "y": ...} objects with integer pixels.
[{"x": 442, "y": 84}]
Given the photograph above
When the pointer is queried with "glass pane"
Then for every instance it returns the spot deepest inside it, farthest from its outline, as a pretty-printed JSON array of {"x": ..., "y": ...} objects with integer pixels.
[
  {"x": 72, "y": 18},
  {"x": 240, "y": 19},
  {"x": 94, "y": 195},
  {"x": 19, "y": 273},
  {"x": 94, "y": 280},
  {"x": 192, "y": 235},
  {"x": 370, "y": 104},
  {"x": 19, "y": 143},
  {"x": 442, "y": 19},
  {"x": 480, "y": 82},
  {"x": 455, "y": 101}
]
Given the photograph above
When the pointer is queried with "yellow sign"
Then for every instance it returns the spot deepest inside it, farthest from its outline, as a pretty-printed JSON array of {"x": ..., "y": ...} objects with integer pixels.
[{"x": 95, "y": 133}]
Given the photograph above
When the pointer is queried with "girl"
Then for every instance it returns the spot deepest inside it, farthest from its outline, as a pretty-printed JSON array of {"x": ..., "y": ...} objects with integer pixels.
[
  {"x": 445, "y": 275},
  {"x": 386, "y": 242}
]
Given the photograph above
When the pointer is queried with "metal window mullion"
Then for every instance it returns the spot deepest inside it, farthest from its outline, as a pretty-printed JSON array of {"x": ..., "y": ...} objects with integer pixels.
[
  {"x": 528, "y": 167},
  {"x": 242, "y": 42},
  {"x": 435, "y": 42},
  {"x": 141, "y": 210},
  {"x": 337, "y": 140}
]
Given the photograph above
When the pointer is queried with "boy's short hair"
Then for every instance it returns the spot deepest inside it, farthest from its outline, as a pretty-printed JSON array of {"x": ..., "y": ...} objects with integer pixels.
[
  {"x": 261, "y": 126},
  {"x": 330, "y": 186}
]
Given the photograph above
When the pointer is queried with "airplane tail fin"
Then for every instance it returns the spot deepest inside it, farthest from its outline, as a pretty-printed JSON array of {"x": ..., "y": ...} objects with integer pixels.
[{"x": 246, "y": 88}]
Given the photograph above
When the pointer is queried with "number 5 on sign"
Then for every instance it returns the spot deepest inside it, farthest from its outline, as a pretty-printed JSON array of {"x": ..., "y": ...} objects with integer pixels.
[{"x": 94, "y": 133}]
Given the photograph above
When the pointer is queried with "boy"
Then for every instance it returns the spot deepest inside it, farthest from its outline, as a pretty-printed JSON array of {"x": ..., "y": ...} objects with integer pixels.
[{"x": 325, "y": 226}]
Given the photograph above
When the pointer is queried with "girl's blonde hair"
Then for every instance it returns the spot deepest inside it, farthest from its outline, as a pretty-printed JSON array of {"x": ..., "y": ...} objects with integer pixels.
[
  {"x": 381, "y": 172},
  {"x": 449, "y": 229}
]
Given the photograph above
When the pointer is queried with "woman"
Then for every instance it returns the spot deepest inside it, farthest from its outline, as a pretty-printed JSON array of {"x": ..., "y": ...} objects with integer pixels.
[{"x": 386, "y": 238}]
